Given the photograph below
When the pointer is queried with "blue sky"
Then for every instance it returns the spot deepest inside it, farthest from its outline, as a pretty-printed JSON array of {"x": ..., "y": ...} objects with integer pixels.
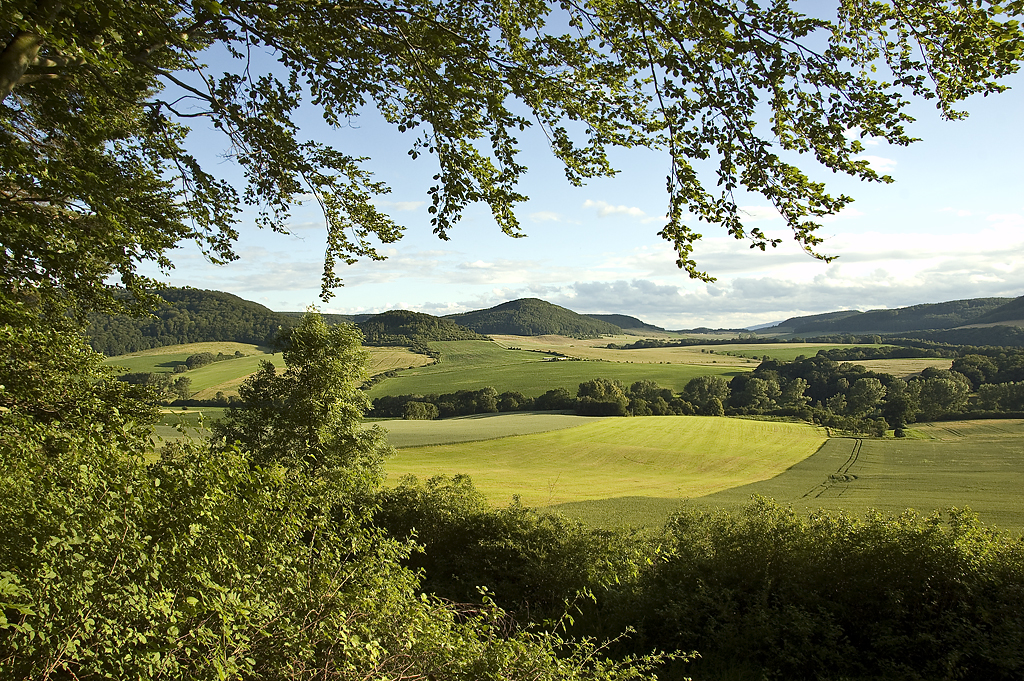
[{"x": 950, "y": 227}]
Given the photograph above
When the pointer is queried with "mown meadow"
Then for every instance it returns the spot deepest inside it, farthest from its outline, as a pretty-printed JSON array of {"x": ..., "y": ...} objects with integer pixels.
[{"x": 470, "y": 365}]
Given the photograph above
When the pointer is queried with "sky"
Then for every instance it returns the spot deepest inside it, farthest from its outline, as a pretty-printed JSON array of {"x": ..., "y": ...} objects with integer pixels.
[{"x": 950, "y": 227}]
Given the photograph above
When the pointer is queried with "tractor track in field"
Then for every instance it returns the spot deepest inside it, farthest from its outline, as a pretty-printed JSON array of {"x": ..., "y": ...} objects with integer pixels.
[{"x": 839, "y": 482}]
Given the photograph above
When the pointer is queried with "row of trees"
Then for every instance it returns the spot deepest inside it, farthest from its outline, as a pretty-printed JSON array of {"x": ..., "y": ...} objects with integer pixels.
[{"x": 838, "y": 394}]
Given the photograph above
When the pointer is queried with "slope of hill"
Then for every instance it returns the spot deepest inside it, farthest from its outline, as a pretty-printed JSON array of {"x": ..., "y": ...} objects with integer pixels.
[
  {"x": 924, "y": 317},
  {"x": 533, "y": 317},
  {"x": 404, "y": 327},
  {"x": 792, "y": 323},
  {"x": 187, "y": 316},
  {"x": 330, "y": 317},
  {"x": 1012, "y": 311},
  {"x": 624, "y": 322}
]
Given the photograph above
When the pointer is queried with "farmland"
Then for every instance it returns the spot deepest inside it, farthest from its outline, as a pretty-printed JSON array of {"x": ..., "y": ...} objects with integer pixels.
[
  {"x": 225, "y": 376},
  {"x": 470, "y": 365},
  {"x": 639, "y": 470},
  {"x": 663, "y": 457},
  {"x": 738, "y": 354},
  {"x": 958, "y": 463}
]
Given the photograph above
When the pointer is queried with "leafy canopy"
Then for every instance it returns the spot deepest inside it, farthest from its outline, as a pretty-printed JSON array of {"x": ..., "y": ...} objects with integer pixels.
[{"x": 96, "y": 99}]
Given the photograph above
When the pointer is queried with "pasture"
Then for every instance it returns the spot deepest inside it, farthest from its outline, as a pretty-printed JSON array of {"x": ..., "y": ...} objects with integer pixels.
[
  {"x": 979, "y": 464},
  {"x": 902, "y": 368},
  {"x": 477, "y": 427},
  {"x": 471, "y": 365},
  {"x": 663, "y": 457},
  {"x": 225, "y": 376}
]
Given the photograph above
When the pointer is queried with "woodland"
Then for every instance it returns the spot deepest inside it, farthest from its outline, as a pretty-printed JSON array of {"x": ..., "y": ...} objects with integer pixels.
[{"x": 272, "y": 550}]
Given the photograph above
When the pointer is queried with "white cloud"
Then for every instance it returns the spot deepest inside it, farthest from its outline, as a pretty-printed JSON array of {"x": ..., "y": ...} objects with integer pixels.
[
  {"x": 844, "y": 214},
  {"x": 604, "y": 209},
  {"x": 400, "y": 206},
  {"x": 545, "y": 216},
  {"x": 1006, "y": 220}
]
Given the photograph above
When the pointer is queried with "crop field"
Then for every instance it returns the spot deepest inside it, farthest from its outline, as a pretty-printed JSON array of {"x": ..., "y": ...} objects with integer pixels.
[
  {"x": 746, "y": 355},
  {"x": 477, "y": 427},
  {"x": 471, "y": 365},
  {"x": 225, "y": 376},
  {"x": 163, "y": 360},
  {"x": 661, "y": 457},
  {"x": 786, "y": 352},
  {"x": 902, "y": 368},
  {"x": 979, "y": 464}
]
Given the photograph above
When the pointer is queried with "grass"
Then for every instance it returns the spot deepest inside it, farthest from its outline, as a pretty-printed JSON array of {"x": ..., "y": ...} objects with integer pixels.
[
  {"x": 663, "y": 457},
  {"x": 478, "y": 427},
  {"x": 163, "y": 360},
  {"x": 903, "y": 368},
  {"x": 471, "y": 365},
  {"x": 225, "y": 376},
  {"x": 960, "y": 463},
  {"x": 786, "y": 352}
]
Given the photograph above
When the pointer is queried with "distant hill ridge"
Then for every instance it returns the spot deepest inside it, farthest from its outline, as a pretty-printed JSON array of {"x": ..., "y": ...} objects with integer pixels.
[
  {"x": 187, "y": 315},
  {"x": 925, "y": 317},
  {"x": 533, "y": 317},
  {"x": 404, "y": 327},
  {"x": 624, "y": 322}
]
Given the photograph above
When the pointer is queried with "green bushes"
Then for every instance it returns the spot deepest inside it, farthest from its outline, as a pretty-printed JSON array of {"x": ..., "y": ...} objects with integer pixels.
[
  {"x": 761, "y": 594},
  {"x": 885, "y": 597},
  {"x": 250, "y": 557}
]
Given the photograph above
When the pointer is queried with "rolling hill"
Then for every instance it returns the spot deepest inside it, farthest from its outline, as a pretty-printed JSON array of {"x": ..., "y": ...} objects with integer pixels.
[
  {"x": 404, "y": 327},
  {"x": 533, "y": 317},
  {"x": 625, "y": 322},
  {"x": 926, "y": 317},
  {"x": 187, "y": 315}
]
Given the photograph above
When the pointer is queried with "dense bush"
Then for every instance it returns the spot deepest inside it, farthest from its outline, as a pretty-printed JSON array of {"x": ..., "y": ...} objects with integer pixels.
[{"x": 761, "y": 594}]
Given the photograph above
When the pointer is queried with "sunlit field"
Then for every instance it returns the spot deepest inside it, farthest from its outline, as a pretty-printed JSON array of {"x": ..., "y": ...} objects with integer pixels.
[{"x": 666, "y": 457}]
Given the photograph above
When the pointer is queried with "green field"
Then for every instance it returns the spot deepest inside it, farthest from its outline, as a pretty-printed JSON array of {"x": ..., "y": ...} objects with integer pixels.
[
  {"x": 979, "y": 464},
  {"x": 786, "y": 352},
  {"x": 226, "y": 375},
  {"x": 163, "y": 360},
  {"x": 477, "y": 427},
  {"x": 471, "y": 365},
  {"x": 667, "y": 457}
]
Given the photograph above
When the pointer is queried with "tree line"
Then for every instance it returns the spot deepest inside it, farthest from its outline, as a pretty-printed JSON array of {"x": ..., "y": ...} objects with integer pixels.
[{"x": 818, "y": 389}]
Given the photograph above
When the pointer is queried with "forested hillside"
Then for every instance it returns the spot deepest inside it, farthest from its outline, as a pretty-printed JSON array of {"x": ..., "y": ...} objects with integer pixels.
[
  {"x": 624, "y": 321},
  {"x": 945, "y": 315},
  {"x": 533, "y": 317},
  {"x": 187, "y": 316},
  {"x": 1012, "y": 311},
  {"x": 404, "y": 327}
]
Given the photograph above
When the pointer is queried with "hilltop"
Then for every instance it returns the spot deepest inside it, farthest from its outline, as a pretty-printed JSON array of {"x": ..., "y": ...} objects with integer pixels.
[
  {"x": 926, "y": 317},
  {"x": 1012, "y": 313},
  {"x": 533, "y": 317},
  {"x": 625, "y": 322},
  {"x": 187, "y": 315},
  {"x": 404, "y": 327}
]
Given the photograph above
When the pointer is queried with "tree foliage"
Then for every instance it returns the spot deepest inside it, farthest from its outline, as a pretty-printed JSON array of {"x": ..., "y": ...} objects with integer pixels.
[{"x": 97, "y": 98}]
